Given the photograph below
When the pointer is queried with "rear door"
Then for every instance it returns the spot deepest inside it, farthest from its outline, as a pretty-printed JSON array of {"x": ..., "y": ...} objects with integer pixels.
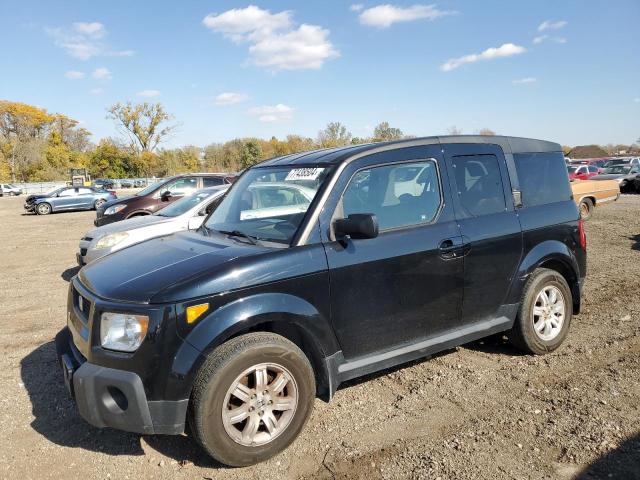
[
  {"x": 489, "y": 225},
  {"x": 85, "y": 198}
]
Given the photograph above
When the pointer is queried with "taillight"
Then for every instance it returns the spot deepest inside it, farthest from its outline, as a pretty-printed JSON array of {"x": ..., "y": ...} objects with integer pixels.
[{"x": 583, "y": 236}]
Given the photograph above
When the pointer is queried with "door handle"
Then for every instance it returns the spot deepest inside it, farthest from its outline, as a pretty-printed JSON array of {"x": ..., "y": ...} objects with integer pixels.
[{"x": 453, "y": 247}]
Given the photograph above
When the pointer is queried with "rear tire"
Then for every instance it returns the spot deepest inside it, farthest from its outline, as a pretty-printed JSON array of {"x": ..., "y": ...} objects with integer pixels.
[
  {"x": 276, "y": 388},
  {"x": 586, "y": 208},
  {"x": 43, "y": 209},
  {"x": 545, "y": 313},
  {"x": 98, "y": 203}
]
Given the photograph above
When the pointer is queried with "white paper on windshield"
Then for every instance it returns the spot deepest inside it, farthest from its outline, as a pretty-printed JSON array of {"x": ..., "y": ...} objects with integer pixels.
[{"x": 304, "y": 174}]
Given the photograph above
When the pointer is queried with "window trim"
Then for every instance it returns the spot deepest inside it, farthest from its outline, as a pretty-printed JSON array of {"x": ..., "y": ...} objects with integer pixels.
[{"x": 436, "y": 217}]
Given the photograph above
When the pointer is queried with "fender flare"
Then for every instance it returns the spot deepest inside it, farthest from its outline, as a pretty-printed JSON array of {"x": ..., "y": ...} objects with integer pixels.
[
  {"x": 285, "y": 314},
  {"x": 548, "y": 252}
]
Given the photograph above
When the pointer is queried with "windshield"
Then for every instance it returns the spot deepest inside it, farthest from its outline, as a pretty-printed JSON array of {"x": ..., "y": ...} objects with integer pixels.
[
  {"x": 268, "y": 203},
  {"x": 619, "y": 169},
  {"x": 54, "y": 192},
  {"x": 149, "y": 188},
  {"x": 185, "y": 204}
]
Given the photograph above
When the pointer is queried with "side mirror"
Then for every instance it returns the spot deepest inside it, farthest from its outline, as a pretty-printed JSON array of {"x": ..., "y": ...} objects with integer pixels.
[
  {"x": 166, "y": 195},
  {"x": 195, "y": 223},
  {"x": 357, "y": 226}
]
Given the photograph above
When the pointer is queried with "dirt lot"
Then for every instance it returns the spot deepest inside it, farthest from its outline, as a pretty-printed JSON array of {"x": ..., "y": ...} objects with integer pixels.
[{"x": 481, "y": 411}]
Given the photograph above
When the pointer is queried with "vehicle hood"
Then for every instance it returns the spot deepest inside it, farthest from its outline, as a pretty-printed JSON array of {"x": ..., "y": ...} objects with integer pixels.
[
  {"x": 128, "y": 225},
  {"x": 168, "y": 268},
  {"x": 118, "y": 201},
  {"x": 33, "y": 198}
]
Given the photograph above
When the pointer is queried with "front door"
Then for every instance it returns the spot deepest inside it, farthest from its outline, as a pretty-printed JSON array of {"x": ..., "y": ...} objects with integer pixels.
[
  {"x": 406, "y": 284},
  {"x": 67, "y": 199},
  {"x": 490, "y": 226}
]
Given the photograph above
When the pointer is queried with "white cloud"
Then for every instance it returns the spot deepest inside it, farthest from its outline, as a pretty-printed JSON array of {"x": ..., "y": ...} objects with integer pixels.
[
  {"x": 505, "y": 50},
  {"x": 84, "y": 41},
  {"x": 149, "y": 93},
  {"x": 93, "y": 29},
  {"x": 551, "y": 25},
  {"x": 540, "y": 39},
  {"x": 230, "y": 98},
  {"x": 96, "y": 91},
  {"x": 272, "y": 113},
  {"x": 101, "y": 73},
  {"x": 74, "y": 75},
  {"x": 525, "y": 81},
  {"x": 307, "y": 47},
  {"x": 356, "y": 7},
  {"x": 383, "y": 16},
  {"x": 274, "y": 41},
  {"x": 543, "y": 38}
]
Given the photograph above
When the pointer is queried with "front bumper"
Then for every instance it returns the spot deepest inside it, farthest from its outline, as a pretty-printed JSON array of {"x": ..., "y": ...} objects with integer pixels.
[{"x": 108, "y": 397}]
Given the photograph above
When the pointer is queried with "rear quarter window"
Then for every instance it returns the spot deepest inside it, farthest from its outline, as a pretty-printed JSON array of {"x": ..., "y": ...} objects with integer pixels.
[{"x": 543, "y": 178}]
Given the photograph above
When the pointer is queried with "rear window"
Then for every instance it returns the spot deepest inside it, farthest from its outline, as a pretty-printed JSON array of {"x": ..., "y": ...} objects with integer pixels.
[{"x": 543, "y": 178}]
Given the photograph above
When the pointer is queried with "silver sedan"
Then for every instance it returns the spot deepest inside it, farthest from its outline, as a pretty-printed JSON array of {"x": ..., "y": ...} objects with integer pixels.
[{"x": 186, "y": 214}]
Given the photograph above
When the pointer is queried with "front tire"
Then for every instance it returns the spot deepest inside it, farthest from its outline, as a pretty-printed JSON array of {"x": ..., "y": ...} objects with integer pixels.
[
  {"x": 43, "y": 209},
  {"x": 545, "y": 313},
  {"x": 251, "y": 398}
]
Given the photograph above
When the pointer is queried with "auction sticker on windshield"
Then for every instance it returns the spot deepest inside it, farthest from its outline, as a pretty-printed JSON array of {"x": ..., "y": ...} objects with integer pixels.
[{"x": 304, "y": 174}]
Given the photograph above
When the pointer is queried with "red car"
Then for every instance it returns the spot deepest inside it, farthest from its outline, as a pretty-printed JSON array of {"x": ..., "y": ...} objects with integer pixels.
[{"x": 582, "y": 172}]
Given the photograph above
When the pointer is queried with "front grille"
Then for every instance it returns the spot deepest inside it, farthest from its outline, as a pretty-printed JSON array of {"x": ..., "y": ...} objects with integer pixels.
[
  {"x": 87, "y": 239},
  {"x": 82, "y": 305},
  {"x": 83, "y": 251}
]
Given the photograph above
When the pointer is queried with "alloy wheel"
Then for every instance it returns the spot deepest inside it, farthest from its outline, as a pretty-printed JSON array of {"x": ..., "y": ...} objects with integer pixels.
[
  {"x": 548, "y": 313},
  {"x": 260, "y": 404}
]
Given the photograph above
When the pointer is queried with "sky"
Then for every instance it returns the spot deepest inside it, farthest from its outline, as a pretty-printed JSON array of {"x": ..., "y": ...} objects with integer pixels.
[{"x": 566, "y": 71}]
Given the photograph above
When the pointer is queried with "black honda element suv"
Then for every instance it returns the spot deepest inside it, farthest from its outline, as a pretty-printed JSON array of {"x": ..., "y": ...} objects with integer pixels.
[{"x": 317, "y": 268}]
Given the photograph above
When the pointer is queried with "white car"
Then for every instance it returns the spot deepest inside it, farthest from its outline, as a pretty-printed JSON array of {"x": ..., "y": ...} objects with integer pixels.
[
  {"x": 9, "y": 189},
  {"x": 185, "y": 214}
]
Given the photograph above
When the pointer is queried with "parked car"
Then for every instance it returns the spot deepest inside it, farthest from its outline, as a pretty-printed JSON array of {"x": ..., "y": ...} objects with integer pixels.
[
  {"x": 68, "y": 198},
  {"x": 9, "y": 190},
  {"x": 139, "y": 183},
  {"x": 625, "y": 175},
  {"x": 156, "y": 196},
  {"x": 185, "y": 214},
  {"x": 237, "y": 326},
  {"x": 589, "y": 193},
  {"x": 615, "y": 161},
  {"x": 126, "y": 184},
  {"x": 582, "y": 172},
  {"x": 104, "y": 184},
  {"x": 594, "y": 162}
]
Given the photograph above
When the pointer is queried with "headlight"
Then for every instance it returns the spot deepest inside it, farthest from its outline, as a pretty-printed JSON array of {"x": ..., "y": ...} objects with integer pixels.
[
  {"x": 114, "y": 209},
  {"x": 111, "y": 239},
  {"x": 123, "y": 331}
]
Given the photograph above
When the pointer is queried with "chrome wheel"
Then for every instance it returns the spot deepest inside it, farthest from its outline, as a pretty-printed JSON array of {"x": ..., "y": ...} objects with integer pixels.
[
  {"x": 260, "y": 404},
  {"x": 99, "y": 203},
  {"x": 548, "y": 313}
]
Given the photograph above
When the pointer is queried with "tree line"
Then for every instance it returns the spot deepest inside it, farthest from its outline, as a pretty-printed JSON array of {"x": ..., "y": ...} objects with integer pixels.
[{"x": 36, "y": 145}]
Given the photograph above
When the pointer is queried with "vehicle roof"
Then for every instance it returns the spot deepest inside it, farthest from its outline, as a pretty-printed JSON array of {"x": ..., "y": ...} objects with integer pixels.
[{"x": 331, "y": 156}]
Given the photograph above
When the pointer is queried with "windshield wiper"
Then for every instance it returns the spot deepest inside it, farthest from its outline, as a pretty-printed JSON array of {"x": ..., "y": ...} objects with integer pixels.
[{"x": 238, "y": 233}]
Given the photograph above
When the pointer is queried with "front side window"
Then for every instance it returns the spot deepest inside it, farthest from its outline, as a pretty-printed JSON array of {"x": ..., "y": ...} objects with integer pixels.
[
  {"x": 268, "y": 204},
  {"x": 68, "y": 192},
  {"x": 398, "y": 195},
  {"x": 183, "y": 186},
  {"x": 479, "y": 184}
]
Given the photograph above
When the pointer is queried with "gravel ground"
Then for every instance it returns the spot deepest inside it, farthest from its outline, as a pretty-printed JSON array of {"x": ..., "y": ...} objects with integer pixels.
[{"x": 479, "y": 411}]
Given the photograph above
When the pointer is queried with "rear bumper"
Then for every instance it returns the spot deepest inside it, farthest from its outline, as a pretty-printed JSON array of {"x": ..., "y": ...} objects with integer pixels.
[{"x": 107, "y": 397}]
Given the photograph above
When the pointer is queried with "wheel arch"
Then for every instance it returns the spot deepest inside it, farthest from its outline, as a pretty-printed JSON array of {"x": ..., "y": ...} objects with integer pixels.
[
  {"x": 554, "y": 255},
  {"x": 137, "y": 213},
  {"x": 289, "y": 316}
]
